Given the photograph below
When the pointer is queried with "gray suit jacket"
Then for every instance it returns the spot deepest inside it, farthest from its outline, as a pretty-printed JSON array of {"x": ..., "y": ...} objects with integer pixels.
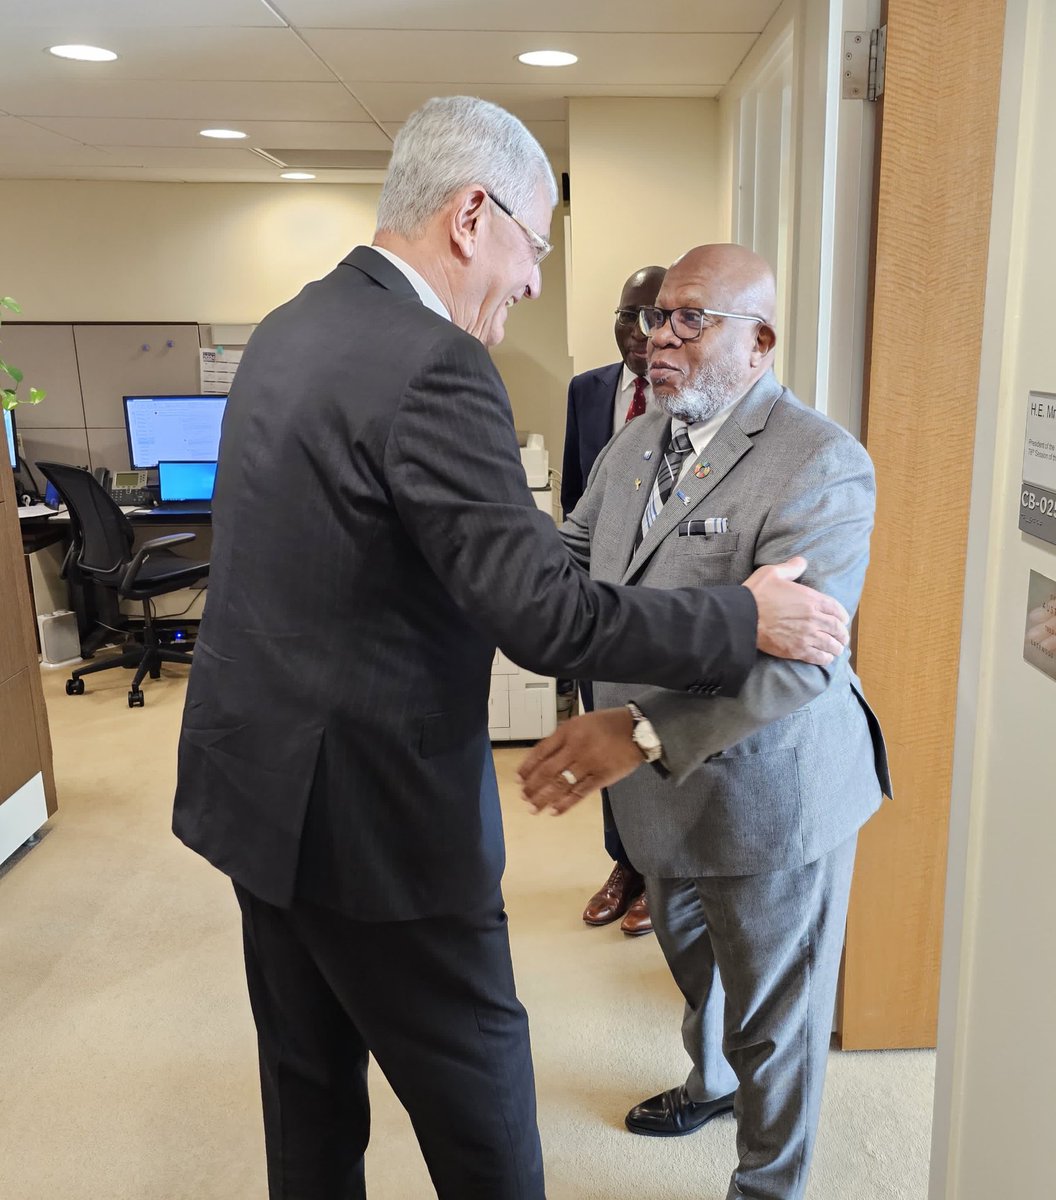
[{"x": 792, "y": 766}]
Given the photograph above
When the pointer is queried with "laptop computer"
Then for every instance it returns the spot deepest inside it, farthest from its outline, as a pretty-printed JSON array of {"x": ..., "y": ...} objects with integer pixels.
[{"x": 185, "y": 487}]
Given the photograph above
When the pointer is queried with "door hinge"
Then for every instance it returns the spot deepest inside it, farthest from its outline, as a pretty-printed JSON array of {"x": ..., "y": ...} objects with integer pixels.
[{"x": 864, "y": 60}]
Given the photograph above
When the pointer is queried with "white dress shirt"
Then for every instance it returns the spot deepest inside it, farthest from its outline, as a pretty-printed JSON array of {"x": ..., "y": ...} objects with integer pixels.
[{"x": 429, "y": 298}]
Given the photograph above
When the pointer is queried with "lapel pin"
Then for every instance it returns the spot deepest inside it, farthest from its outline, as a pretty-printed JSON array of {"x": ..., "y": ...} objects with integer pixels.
[
  {"x": 637, "y": 484},
  {"x": 683, "y": 497},
  {"x": 702, "y": 470},
  {"x": 647, "y": 455}
]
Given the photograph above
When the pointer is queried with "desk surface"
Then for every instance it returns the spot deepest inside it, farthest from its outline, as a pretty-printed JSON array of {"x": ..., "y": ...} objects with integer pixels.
[
  {"x": 38, "y": 514},
  {"x": 30, "y": 512}
]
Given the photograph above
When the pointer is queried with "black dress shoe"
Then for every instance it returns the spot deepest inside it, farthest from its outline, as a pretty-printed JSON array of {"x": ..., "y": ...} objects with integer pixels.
[{"x": 673, "y": 1114}]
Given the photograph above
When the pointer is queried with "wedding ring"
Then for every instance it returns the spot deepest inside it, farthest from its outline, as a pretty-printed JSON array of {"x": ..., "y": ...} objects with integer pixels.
[{"x": 569, "y": 778}]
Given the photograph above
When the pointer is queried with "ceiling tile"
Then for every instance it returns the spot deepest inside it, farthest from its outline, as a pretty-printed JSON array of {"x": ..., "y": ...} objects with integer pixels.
[
  {"x": 472, "y": 58},
  {"x": 146, "y": 131},
  {"x": 59, "y": 152},
  {"x": 189, "y": 54},
  {"x": 14, "y": 132},
  {"x": 632, "y": 16},
  {"x": 179, "y": 157},
  {"x": 78, "y": 21},
  {"x": 212, "y": 102},
  {"x": 394, "y": 102}
]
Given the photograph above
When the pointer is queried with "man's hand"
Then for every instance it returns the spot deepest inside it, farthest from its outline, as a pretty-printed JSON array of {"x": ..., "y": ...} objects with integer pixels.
[
  {"x": 595, "y": 750},
  {"x": 796, "y": 621}
]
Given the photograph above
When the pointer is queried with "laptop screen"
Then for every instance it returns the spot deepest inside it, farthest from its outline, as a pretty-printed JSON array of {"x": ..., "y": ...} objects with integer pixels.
[{"x": 186, "y": 480}]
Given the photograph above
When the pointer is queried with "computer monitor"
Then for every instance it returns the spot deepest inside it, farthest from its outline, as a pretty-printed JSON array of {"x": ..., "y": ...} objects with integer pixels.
[
  {"x": 186, "y": 480},
  {"x": 173, "y": 428},
  {"x": 12, "y": 445}
]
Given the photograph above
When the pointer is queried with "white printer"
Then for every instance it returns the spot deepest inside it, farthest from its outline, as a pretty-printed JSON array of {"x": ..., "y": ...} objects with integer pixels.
[
  {"x": 534, "y": 458},
  {"x": 536, "y": 462},
  {"x": 522, "y": 706}
]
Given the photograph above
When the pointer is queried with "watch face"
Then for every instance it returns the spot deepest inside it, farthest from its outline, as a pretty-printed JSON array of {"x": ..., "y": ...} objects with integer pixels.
[{"x": 645, "y": 739}]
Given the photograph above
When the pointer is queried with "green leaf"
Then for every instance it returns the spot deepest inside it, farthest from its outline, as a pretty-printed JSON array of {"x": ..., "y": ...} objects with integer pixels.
[
  {"x": 8, "y": 399},
  {"x": 35, "y": 396},
  {"x": 14, "y": 372},
  {"x": 7, "y": 302}
]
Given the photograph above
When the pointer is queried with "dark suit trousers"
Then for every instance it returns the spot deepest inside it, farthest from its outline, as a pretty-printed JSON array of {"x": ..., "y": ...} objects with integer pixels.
[
  {"x": 434, "y": 1001},
  {"x": 613, "y": 842}
]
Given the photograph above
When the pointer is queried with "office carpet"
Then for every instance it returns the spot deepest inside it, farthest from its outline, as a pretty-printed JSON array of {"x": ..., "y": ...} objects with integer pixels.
[{"x": 126, "y": 1043}]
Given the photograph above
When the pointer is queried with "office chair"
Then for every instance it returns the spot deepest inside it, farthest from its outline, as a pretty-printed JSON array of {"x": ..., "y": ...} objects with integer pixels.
[{"x": 101, "y": 553}]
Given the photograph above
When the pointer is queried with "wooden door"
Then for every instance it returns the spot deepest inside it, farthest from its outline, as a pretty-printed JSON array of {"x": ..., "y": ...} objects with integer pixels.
[{"x": 934, "y": 179}]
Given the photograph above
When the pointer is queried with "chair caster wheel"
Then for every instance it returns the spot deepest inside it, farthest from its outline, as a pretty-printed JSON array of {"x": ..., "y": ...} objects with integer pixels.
[
  {"x": 135, "y": 698},
  {"x": 74, "y": 687}
]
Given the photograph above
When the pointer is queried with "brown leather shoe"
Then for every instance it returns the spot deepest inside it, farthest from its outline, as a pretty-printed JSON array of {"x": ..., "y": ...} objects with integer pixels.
[
  {"x": 638, "y": 921},
  {"x": 614, "y": 896}
]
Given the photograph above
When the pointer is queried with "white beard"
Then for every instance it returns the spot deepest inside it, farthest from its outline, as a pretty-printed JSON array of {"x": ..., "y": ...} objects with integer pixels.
[{"x": 715, "y": 386}]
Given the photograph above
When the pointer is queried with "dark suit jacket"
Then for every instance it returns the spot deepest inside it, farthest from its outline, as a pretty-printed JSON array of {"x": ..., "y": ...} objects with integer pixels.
[
  {"x": 373, "y": 539},
  {"x": 588, "y": 428}
]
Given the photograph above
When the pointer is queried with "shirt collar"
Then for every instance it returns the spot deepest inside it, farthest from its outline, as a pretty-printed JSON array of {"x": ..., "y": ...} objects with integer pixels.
[
  {"x": 428, "y": 297},
  {"x": 628, "y": 377},
  {"x": 701, "y": 432}
]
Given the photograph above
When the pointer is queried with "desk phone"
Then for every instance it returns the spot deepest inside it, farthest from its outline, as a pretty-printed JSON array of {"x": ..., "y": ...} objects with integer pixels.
[{"x": 130, "y": 488}]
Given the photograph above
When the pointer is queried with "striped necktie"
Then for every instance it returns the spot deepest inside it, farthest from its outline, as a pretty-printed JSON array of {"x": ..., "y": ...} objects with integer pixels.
[{"x": 670, "y": 469}]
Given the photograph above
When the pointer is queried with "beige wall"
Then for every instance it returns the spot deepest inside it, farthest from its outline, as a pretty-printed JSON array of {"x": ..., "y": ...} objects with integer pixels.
[
  {"x": 86, "y": 251},
  {"x": 997, "y": 1037},
  {"x": 645, "y": 184},
  {"x": 533, "y": 358},
  {"x": 228, "y": 253}
]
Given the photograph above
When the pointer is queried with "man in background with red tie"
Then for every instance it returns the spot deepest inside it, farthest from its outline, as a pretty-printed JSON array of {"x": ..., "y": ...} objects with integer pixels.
[{"x": 600, "y": 402}]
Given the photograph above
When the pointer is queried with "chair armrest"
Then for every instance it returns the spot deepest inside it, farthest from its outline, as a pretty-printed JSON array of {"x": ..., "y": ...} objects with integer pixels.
[{"x": 144, "y": 552}]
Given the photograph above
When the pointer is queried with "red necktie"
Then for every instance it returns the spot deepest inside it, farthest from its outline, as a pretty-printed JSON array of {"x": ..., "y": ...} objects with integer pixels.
[{"x": 637, "y": 404}]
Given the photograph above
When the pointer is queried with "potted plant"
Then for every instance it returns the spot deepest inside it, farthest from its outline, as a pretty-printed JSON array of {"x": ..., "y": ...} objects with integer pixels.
[{"x": 9, "y": 397}]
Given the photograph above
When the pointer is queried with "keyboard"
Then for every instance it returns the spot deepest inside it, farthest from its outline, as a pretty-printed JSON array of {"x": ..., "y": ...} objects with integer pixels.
[{"x": 182, "y": 506}]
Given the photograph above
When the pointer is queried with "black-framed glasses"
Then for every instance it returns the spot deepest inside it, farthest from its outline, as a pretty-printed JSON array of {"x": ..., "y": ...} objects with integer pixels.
[
  {"x": 626, "y": 317},
  {"x": 539, "y": 244},
  {"x": 687, "y": 324}
]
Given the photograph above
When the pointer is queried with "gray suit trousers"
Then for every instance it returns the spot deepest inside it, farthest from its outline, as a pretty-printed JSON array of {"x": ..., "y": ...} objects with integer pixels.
[{"x": 757, "y": 959}]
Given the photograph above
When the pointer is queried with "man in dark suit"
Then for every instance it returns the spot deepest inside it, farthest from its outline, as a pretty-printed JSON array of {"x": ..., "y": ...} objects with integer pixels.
[
  {"x": 374, "y": 539},
  {"x": 600, "y": 403}
]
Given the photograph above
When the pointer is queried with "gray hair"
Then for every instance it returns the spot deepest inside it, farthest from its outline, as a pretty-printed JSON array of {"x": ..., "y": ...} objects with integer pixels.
[{"x": 454, "y": 141}]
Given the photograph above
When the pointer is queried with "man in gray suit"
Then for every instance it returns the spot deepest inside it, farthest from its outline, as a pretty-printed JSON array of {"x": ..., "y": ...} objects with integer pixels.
[
  {"x": 374, "y": 540},
  {"x": 746, "y": 822}
]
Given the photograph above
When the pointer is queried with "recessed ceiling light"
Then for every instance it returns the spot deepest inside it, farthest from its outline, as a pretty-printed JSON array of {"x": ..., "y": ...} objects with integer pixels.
[
  {"x": 83, "y": 53},
  {"x": 297, "y": 175},
  {"x": 547, "y": 58},
  {"x": 222, "y": 133}
]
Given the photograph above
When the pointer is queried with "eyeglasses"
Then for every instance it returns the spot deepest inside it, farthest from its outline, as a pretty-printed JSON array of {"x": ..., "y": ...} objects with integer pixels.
[
  {"x": 626, "y": 317},
  {"x": 687, "y": 324},
  {"x": 538, "y": 243}
]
